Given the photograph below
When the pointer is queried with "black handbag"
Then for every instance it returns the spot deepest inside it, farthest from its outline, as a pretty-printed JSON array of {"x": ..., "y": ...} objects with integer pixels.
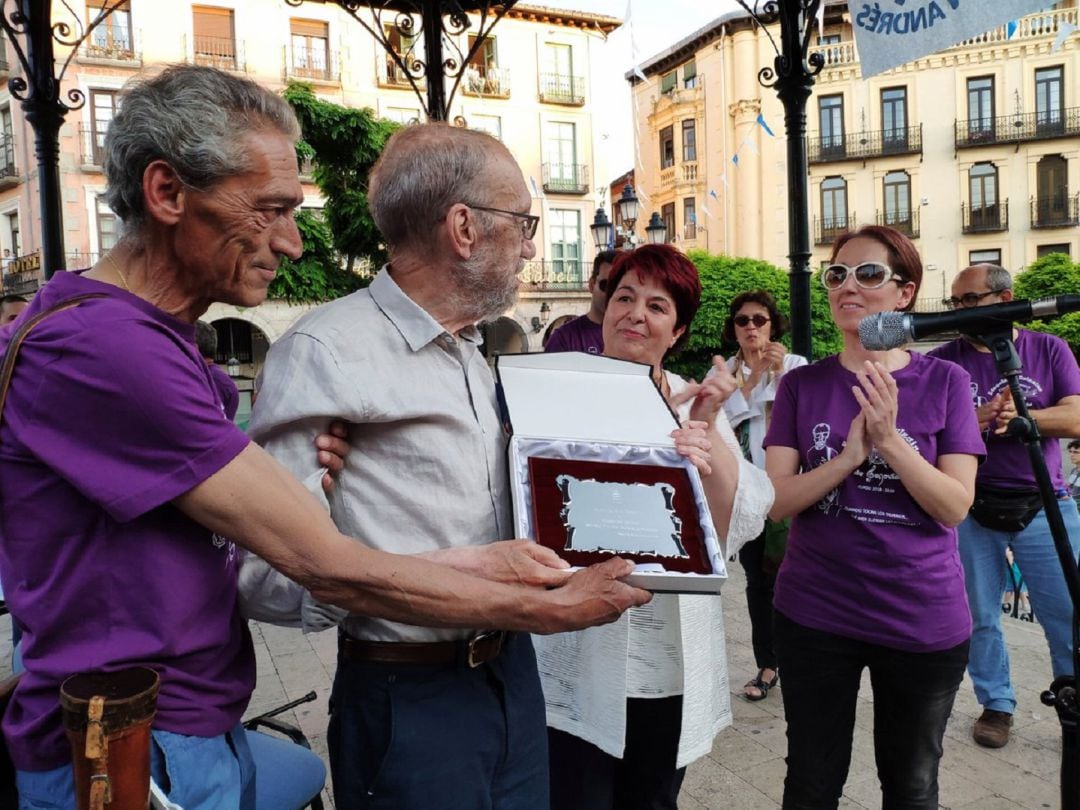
[{"x": 1005, "y": 510}]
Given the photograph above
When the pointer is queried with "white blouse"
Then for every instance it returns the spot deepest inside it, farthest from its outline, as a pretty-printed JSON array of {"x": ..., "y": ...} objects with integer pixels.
[{"x": 673, "y": 645}]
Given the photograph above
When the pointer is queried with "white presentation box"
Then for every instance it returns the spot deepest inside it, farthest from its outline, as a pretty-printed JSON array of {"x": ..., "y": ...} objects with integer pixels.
[{"x": 594, "y": 471}]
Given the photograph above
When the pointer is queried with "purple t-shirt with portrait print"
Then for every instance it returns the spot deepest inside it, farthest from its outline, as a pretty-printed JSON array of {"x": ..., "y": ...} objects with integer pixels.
[
  {"x": 1049, "y": 374},
  {"x": 112, "y": 414},
  {"x": 866, "y": 562},
  {"x": 578, "y": 335}
]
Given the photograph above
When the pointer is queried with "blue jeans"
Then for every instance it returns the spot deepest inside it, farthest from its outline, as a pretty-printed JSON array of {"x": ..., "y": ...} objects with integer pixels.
[
  {"x": 982, "y": 552},
  {"x": 407, "y": 736},
  {"x": 913, "y": 697},
  {"x": 203, "y": 773}
]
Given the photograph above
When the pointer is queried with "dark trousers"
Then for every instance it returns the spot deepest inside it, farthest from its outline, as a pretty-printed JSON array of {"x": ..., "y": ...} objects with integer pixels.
[
  {"x": 759, "y": 602},
  {"x": 585, "y": 778},
  {"x": 407, "y": 736},
  {"x": 913, "y": 697}
]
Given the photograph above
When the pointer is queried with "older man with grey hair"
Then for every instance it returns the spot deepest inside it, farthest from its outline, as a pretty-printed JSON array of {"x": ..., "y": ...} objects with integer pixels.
[
  {"x": 121, "y": 517},
  {"x": 421, "y": 717},
  {"x": 1051, "y": 386}
]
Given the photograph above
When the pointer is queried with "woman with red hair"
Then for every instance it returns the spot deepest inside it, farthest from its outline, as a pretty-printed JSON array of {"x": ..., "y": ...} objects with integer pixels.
[{"x": 630, "y": 704}]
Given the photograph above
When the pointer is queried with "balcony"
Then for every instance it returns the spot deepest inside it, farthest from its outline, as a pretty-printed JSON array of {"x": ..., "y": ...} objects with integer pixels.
[
  {"x": 907, "y": 222},
  {"x": 223, "y": 53},
  {"x": 92, "y": 144},
  {"x": 113, "y": 46},
  {"x": 23, "y": 275},
  {"x": 826, "y": 229},
  {"x": 566, "y": 275},
  {"x": 866, "y": 145},
  {"x": 1055, "y": 211},
  {"x": 9, "y": 175},
  {"x": 312, "y": 64},
  {"x": 835, "y": 54},
  {"x": 489, "y": 82},
  {"x": 985, "y": 219},
  {"x": 1041, "y": 126},
  {"x": 558, "y": 88},
  {"x": 566, "y": 178},
  {"x": 393, "y": 75}
]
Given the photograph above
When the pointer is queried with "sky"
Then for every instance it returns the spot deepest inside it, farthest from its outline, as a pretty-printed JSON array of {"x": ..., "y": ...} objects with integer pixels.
[{"x": 650, "y": 26}]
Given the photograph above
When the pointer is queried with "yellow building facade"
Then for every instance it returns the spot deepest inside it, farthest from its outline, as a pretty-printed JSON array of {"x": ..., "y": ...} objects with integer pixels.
[{"x": 974, "y": 151}]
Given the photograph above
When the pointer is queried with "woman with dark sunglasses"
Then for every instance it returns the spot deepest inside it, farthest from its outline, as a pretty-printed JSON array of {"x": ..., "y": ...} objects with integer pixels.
[
  {"x": 873, "y": 457},
  {"x": 756, "y": 325}
]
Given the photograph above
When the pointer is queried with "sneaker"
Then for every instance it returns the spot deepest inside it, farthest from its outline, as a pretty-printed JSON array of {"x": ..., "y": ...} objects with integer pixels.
[{"x": 992, "y": 729}]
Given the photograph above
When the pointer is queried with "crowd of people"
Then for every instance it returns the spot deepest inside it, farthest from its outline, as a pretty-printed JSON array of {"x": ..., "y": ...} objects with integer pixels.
[{"x": 371, "y": 496}]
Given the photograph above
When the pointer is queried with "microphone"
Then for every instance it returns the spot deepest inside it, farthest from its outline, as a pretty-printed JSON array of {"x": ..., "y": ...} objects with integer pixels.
[{"x": 889, "y": 330}]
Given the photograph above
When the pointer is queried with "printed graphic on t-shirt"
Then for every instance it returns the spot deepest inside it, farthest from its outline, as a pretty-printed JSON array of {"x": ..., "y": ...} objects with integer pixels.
[
  {"x": 818, "y": 455},
  {"x": 876, "y": 477},
  {"x": 229, "y": 545}
]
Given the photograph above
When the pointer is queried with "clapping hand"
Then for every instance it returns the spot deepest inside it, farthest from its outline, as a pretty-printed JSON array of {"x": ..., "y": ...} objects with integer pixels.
[
  {"x": 708, "y": 396},
  {"x": 877, "y": 398}
]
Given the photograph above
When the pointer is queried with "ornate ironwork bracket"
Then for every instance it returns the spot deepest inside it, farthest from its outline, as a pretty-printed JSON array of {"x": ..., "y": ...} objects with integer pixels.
[
  {"x": 33, "y": 35},
  {"x": 442, "y": 22}
]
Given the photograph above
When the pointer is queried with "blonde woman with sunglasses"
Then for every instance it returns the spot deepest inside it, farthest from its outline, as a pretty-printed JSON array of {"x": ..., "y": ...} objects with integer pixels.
[{"x": 873, "y": 457}]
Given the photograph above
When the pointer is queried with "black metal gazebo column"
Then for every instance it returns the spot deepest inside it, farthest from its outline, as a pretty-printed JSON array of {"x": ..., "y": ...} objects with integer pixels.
[{"x": 793, "y": 78}]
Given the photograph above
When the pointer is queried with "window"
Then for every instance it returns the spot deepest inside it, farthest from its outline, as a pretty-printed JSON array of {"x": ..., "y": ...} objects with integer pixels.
[
  {"x": 831, "y": 123},
  {"x": 1046, "y": 250},
  {"x": 491, "y": 124},
  {"x": 689, "y": 218},
  {"x": 667, "y": 213},
  {"x": 106, "y": 226},
  {"x": 111, "y": 38},
  {"x": 214, "y": 41},
  {"x": 402, "y": 115},
  {"x": 102, "y": 109},
  {"x": 12, "y": 222},
  {"x": 982, "y": 185},
  {"x": 565, "y": 232},
  {"x": 482, "y": 74},
  {"x": 894, "y": 118},
  {"x": 668, "y": 82},
  {"x": 897, "y": 199},
  {"x": 1048, "y": 107},
  {"x": 984, "y": 257},
  {"x": 689, "y": 74},
  {"x": 667, "y": 147},
  {"x": 310, "y": 48},
  {"x": 7, "y": 144},
  {"x": 834, "y": 214},
  {"x": 980, "y": 93},
  {"x": 403, "y": 45},
  {"x": 557, "y": 80},
  {"x": 560, "y": 147},
  {"x": 689, "y": 139},
  {"x": 1052, "y": 189}
]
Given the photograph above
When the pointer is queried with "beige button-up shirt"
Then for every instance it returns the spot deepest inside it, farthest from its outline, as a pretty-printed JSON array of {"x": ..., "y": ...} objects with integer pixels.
[{"x": 427, "y": 468}]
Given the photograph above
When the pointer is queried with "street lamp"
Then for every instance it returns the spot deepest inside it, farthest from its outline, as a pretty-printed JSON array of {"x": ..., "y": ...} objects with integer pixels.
[
  {"x": 628, "y": 208},
  {"x": 656, "y": 231},
  {"x": 602, "y": 231}
]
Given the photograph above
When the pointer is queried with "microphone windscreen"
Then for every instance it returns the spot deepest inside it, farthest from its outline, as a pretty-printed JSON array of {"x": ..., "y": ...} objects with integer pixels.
[{"x": 885, "y": 330}]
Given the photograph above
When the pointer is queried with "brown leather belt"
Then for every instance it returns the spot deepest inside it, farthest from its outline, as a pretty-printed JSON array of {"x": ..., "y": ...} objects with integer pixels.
[{"x": 472, "y": 652}]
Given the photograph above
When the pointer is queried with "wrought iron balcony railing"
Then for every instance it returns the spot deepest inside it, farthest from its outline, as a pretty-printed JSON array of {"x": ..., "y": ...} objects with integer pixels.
[
  {"x": 1036, "y": 126},
  {"x": 907, "y": 222},
  {"x": 223, "y": 53},
  {"x": 566, "y": 178},
  {"x": 864, "y": 145},
  {"x": 1055, "y": 211},
  {"x": 113, "y": 45},
  {"x": 8, "y": 171},
  {"x": 560, "y": 88},
  {"x": 391, "y": 75},
  {"x": 826, "y": 229},
  {"x": 491, "y": 82},
  {"x": 312, "y": 63},
  {"x": 92, "y": 143},
  {"x": 561, "y": 274},
  {"x": 985, "y": 218}
]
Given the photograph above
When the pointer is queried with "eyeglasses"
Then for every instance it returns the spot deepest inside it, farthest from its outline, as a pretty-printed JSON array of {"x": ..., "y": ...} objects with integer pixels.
[
  {"x": 529, "y": 222},
  {"x": 868, "y": 275},
  {"x": 745, "y": 320},
  {"x": 969, "y": 299}
]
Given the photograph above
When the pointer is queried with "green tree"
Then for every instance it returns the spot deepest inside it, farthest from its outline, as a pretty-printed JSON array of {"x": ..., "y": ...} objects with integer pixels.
[
  {"x": 1054, "y": 274},
  {"x": 317, "y": 275},
  {"x": 345, "y": 143},
  {"x": 723, "y": 278}
]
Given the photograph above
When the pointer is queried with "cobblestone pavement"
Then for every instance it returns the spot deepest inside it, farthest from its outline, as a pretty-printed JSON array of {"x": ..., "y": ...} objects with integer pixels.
[{"x": 746, "y": 766}]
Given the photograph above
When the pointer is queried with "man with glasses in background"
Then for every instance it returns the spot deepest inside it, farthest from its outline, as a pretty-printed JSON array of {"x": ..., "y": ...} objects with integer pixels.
[
  {"x": 1051, "y": 384},
  {"x": 586, "y": 332}
]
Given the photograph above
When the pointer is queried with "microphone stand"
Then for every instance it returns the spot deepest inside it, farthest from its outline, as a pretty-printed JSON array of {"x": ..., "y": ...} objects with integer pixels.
[{"x": 1062, "y": 694}]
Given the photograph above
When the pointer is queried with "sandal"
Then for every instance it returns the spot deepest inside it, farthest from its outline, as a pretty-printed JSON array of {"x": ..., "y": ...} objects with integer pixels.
[{"x": 759, "y": 683}]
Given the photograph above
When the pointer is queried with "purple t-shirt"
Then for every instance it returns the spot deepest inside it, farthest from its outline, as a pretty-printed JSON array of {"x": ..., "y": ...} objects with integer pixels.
[
  {"x": 578, "y": 335},
  {"x": 111, "y": 414},
  {"x": 227, "y": 392},
  {"x": 866, "y": 562},
  {"x": 1049, "y": 374}
]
